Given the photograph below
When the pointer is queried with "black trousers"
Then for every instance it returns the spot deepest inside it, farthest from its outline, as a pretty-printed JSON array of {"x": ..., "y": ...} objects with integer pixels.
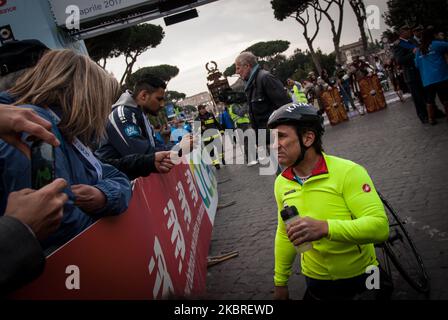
[
  {"x": 244, "y": 141},
  {"x": 418, "y": 95},
  {"x": 267, "y": 139},
  {"x": 348, "y": 289}
]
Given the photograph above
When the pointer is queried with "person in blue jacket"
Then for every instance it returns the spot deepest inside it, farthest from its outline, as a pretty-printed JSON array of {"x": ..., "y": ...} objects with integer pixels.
[
  {"x": 226, "y": 120},
  {"x": 74, "y": 94},
  {"x": 187, "y": 127},
  {"x": 431, "y": 61},
  {"x": 179, "y": 131}
]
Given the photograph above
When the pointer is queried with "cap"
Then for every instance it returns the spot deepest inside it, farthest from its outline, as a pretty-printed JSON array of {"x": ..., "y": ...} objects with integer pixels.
[
  {"x": 404, "y": 27},
  {"x": 418, "y": 28},
  {"x": 18, "y": 55}
]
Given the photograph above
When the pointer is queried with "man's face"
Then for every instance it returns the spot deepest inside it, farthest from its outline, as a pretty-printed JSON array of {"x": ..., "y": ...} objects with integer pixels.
[
  {"x": 290, "y": 83},
  {"x": 440, "y": 36},
  {"x": 243, "y": 70},
  {"x": 405, "y": 34},
  {"x": 418, "y": 34},
  {"x": 202, "y": 111},
  {"x": 153, "y": 102},
  {"x": 287, "y": 145}
]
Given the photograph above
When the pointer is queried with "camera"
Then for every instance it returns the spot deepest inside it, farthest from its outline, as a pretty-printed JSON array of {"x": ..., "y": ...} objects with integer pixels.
[
  {"x": 231, "y": 97},
  {"x": 42, "y": 164}
]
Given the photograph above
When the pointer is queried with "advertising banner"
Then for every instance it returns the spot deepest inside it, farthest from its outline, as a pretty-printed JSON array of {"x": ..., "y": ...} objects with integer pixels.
[{"x": 157, "y": 249}]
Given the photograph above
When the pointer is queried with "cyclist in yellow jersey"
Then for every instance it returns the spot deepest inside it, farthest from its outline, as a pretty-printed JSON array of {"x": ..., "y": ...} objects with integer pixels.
[{"x": 341, "y": 214}]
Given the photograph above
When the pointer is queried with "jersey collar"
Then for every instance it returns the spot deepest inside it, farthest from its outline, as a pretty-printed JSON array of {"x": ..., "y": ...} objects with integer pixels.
[{"x": 320, "y": 169}]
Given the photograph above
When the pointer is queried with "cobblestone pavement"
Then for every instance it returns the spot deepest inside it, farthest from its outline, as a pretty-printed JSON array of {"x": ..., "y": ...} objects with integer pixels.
[{"x": 407, "y": 162}]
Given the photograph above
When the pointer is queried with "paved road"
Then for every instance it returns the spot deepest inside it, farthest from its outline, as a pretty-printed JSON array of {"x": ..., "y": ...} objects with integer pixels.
[{"x": 407, "y": 162}]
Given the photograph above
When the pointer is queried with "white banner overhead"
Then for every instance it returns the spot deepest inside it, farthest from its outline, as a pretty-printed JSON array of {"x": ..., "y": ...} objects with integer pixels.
[
  {"x": 93, "y": 9},
  {"x": 89, "y": 18}
]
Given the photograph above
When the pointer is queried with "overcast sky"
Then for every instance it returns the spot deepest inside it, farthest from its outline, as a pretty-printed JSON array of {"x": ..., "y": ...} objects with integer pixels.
[{"x": 223, "y": 29}]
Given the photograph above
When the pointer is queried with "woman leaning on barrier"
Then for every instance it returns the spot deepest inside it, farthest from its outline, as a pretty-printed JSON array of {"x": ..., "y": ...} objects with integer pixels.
[{"x": 75, "y": 95}]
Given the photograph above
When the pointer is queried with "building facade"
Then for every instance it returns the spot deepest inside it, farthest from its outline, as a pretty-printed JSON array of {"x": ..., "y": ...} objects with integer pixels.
[{"x": 352, "y": 50}]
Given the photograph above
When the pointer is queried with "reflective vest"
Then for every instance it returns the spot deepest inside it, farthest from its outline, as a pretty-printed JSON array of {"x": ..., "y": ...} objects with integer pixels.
[
  {"x": 208, "y": 121},
  {"x": 298, "y": 95},
  {"x": 237, "y": 119}
]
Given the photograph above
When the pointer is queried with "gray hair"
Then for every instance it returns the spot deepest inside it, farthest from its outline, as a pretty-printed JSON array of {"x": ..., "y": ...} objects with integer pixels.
[{"x": 247, "y": 57}]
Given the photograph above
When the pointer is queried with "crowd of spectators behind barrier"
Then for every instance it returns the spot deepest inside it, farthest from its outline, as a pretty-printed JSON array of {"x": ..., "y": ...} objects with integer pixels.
[{"x": 64, "y": 99}]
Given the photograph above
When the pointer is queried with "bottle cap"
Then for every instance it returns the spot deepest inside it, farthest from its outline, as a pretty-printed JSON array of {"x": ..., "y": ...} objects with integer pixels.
[{"x": 289, "y": 212}]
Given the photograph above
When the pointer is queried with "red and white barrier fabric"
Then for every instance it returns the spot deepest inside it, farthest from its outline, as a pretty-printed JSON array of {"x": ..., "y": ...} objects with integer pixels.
[{"x": 158, "y": 248}]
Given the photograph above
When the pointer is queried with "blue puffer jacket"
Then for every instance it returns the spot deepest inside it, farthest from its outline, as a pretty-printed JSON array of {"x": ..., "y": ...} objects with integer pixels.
[{"x": 15, "y": 174}]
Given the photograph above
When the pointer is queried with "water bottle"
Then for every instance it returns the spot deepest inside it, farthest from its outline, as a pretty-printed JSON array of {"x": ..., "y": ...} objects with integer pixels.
[{"x": 289, "y": 215}]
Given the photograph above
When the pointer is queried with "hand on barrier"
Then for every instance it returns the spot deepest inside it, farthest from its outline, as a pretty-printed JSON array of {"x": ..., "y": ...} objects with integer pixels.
[
  {"x": 163, "y": 161},
  {"x": 88, "y": 198},
  {"x": 41, "y": 210}
]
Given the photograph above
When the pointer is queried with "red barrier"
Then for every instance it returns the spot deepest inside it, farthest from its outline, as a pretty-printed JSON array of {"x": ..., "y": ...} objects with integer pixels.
[{"x": 157, "y": 248}]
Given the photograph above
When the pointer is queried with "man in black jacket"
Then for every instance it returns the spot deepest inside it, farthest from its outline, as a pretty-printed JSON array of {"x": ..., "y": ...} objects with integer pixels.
[
  {"x": 265, "y": 93},
  {"x": 131, "y": 146},
  {"x": 403, "y": 52}
]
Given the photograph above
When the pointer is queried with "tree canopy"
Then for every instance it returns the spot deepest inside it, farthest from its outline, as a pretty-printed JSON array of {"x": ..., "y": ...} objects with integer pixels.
[
  {"x": 174, "y": 96},
  {"x": 288, "y": 8},
  {"x": 303, "y": 12},
  {"x": 267, "y": 52},
  {"x": 130, "y": 42},
  {"x": 230, "y": 71},
  {"x": 165, "y": 72},
  {"x": 301, "y": 63},
  {"x": 414, "y": 12}
]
